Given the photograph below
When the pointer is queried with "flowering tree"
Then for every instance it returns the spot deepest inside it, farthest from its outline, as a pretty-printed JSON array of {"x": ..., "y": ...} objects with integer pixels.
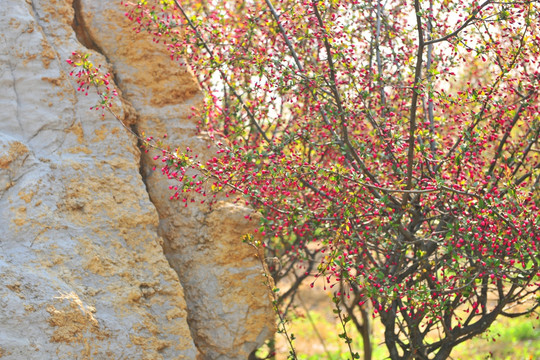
[{"x": 400, "y": 138}]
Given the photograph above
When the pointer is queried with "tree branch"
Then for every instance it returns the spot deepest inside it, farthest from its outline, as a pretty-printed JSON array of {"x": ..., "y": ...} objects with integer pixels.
[{"x": 463, "y": 26}]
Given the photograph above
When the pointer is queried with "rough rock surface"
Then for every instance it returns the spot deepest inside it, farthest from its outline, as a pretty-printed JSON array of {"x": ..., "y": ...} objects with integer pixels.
[{"x": 88, "y": 268}]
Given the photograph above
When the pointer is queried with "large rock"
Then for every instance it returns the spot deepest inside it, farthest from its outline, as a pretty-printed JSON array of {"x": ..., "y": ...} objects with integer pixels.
[
  {"x": 88, "y": 268},
  {"x": 228, "y": 306}
]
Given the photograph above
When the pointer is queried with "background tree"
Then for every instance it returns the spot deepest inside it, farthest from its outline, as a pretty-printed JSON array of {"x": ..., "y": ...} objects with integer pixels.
[{"x": 397, "y": 139}]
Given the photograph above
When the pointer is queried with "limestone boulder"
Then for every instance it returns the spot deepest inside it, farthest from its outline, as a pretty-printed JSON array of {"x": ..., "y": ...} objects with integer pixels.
[
  {"x": 229, "y": 310},
  {"x": 95, "y": 261}
]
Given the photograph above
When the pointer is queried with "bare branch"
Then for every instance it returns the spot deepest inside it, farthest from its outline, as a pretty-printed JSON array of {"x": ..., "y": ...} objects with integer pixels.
[{"x": 463, "y": 26}]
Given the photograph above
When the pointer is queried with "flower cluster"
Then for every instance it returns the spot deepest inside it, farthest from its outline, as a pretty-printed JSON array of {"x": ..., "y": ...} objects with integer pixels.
[{"x": 88, "y": 76}]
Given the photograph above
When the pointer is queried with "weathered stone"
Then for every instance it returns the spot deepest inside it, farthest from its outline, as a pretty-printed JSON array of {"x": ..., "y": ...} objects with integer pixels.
[
  {"x": 79, "y": 244},
  {"x": 84, "y": 272},
  {"x": 228, "y": 307}
]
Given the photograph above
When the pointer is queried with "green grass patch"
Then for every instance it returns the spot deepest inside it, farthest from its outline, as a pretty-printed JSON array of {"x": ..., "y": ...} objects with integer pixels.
[{"x": 507, "y": 339}]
